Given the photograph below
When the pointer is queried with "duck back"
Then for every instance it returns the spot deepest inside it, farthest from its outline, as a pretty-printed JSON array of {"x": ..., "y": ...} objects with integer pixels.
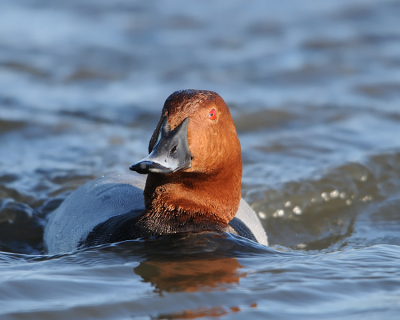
[{"x": 91, "y": 204}]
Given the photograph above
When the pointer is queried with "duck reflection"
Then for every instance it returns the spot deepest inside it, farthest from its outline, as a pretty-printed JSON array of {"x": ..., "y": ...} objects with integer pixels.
[
  {"x": 190, "y": 274},
  {"x": 201, "y": 312}
]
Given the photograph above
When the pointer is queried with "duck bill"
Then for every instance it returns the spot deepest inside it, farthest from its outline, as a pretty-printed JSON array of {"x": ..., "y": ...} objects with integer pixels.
[
  {"x": 171, "y": 152},
  {"x": 146, "y": 166}
]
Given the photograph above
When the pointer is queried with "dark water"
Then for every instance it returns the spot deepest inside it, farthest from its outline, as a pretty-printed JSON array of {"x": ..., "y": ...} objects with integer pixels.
[{"x": 314, "y": 89}]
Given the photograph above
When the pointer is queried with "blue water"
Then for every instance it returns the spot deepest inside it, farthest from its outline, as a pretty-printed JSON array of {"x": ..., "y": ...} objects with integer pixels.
[{"x": 314, "y": 90}]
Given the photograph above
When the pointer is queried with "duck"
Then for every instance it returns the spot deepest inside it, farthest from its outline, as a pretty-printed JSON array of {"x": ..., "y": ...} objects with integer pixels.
[{"x": 189, "y": 182}]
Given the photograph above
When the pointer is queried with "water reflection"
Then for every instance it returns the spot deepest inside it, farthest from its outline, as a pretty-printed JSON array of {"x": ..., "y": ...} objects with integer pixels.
[
  {"x": 190, "y": 274},
  {"x": 218, "y": 311}
]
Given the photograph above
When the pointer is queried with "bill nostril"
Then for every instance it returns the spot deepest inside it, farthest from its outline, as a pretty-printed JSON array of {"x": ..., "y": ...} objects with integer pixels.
[{"x": 173, "y": 150}]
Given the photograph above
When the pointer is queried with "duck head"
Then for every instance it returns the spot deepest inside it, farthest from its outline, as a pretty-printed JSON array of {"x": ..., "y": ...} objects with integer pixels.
[{"x": 194, "y": 164}]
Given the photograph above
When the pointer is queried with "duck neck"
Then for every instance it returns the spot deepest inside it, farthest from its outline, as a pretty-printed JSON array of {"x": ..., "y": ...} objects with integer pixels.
[{"x": 190, "y": 202}]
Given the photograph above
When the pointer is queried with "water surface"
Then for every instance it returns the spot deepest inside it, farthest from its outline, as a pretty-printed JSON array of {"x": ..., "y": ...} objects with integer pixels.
[{"x": 314, "y": 90}]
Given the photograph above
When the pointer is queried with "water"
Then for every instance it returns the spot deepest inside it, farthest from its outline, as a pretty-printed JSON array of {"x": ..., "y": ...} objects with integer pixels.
[{"x": 314, "y": 89}]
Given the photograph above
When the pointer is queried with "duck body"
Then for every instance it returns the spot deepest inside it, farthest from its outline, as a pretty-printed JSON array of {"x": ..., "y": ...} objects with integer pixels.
[
  {"x": 97, "y": 212},
  {"x": 189, "y": 182}
]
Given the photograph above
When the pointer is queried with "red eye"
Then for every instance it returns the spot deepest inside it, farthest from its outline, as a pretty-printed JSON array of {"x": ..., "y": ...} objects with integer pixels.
[{"x": 212, "y": 114}]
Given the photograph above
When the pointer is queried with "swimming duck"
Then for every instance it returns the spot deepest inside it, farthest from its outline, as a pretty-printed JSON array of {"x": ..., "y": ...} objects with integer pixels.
[{"x": 189, "y": 182}]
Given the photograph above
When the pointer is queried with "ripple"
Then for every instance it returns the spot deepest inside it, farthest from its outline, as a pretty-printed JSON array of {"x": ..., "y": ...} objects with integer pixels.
[
  {"x": 326, "y": 212},
  {"x": 21, "y": 228}
]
